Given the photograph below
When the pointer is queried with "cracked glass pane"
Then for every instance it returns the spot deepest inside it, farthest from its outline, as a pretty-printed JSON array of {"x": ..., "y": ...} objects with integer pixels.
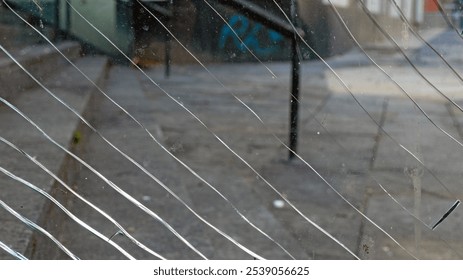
[{"x": 237, "y": 129}]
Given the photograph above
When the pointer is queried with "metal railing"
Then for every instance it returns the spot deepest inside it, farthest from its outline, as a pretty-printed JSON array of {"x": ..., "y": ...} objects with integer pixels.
[
  {"x": 290, "y": 31},
  {"x": 163, "y": 8},
  {"x": 58, "y": 15}
]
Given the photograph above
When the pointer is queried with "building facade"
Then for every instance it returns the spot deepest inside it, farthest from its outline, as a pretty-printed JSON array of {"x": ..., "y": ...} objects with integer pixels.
[{"x": 209, "y": 28}]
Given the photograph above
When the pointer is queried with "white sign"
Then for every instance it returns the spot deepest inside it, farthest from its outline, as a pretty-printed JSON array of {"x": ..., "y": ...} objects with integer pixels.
[
  {"x": 393, "y": 10},
  {"x": 374, "y": 6},
  {"x": 338, "y": 3},
  {"x": 405, "y": 6}
]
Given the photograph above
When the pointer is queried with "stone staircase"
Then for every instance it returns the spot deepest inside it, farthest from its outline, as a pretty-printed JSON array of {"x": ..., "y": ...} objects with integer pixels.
[
  {"x": 52, "y": 71},
  {"x": 15, "y": 34}
]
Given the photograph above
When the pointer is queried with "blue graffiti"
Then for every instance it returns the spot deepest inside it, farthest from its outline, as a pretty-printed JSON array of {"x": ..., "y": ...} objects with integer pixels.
[{"x": 251, "y": 35}]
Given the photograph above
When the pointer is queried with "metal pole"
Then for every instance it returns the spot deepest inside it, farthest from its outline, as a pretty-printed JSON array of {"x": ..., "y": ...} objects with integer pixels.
[
  {"x": 56, "y": 28},
  {"x": 295, "y": 85},
  {"x": 68, "y": 18},
  {"x": 168, "y": 45},
  {"x": 167, "y": 57}
]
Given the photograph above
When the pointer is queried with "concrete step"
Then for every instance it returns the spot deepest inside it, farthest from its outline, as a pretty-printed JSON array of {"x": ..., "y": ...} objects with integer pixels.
[
  {"x": 42, "y": 61},
  {"x": 111, "y": 122},
  {"x": 16, "y": 37},
  {"x": 61, "y": 125},
  {"x": 6, "y": 16},
  {"x": 15, "y": 34}
]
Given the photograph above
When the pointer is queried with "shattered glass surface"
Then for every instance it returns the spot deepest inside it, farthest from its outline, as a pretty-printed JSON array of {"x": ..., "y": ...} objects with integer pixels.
[{"x": 162, "y": 130}]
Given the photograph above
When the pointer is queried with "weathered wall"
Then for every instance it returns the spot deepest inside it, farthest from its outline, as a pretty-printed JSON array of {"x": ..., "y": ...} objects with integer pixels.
[
  {"x": 112, "y": 18},
  {"x": 207, "y": 33},
  {"x": 203, "y": 30},
  {"x": 329, "y": 35}
]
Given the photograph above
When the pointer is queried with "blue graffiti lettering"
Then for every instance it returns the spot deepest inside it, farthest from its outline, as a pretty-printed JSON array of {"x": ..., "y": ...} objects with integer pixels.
[{"x": 251, "y": 35}]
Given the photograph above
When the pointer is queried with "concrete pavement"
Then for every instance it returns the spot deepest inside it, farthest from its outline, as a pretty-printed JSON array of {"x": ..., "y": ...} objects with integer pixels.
[{"x": 362, "y": 184}]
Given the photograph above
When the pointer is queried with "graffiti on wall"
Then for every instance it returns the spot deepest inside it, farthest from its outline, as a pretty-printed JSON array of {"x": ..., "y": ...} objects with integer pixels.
[{"x": 263, "y": 42}]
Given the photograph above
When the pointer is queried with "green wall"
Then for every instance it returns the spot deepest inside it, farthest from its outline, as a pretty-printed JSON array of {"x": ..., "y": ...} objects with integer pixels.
[
  {"x": 103, "y": 14},
  {"x": 111, "y": 17}
]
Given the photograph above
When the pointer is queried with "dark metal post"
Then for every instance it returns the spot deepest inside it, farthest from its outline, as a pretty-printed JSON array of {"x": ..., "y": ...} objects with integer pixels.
[
  {"x": 68, "y": 18},
  {"x": 167, "y": 58},
  {"x": 56, "y": 22},
  {"x": 168, "y": 44},
  {"x": 295, "y": 85}
]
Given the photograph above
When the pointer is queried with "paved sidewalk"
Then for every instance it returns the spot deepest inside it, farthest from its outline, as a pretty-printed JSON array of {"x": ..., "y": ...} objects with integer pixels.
[{"x": 359, "y": 183}]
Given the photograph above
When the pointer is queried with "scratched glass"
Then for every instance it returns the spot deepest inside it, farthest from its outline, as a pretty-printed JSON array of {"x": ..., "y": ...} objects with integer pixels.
[{"x": 238, "y": 129}]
